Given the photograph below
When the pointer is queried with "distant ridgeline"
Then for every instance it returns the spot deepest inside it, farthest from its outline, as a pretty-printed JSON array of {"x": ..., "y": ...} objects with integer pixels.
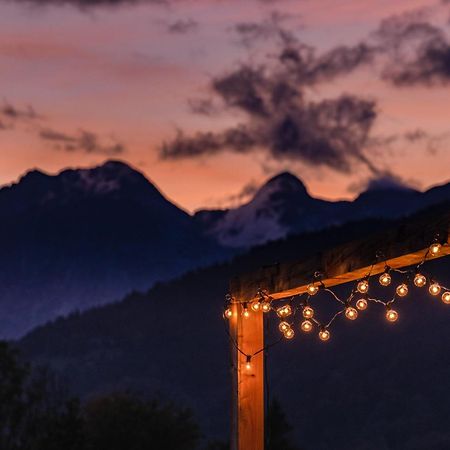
[
  {"x": 372, "y": 385},
  {"x": 87, "y": 237}
]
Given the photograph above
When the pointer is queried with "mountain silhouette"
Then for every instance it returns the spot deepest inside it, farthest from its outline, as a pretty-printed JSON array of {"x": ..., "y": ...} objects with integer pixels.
[
  {"x": 86, "y": 237},
  {"x": 283, "y": 206}
]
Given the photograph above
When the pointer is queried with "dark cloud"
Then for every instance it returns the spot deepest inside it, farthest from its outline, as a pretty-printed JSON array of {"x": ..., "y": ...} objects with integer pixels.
[
  {"x": 248, "y": 191},
  {"x": 84, "y": 141},
  {"x": 182, "y": 26},
  {"x": 416, "y": 52},
  {"x": 252, "y": 33},
  {"x": 281, "y": 121},
  {"x": 203, "y": 106},
  {"x": 13, "y": 113}
]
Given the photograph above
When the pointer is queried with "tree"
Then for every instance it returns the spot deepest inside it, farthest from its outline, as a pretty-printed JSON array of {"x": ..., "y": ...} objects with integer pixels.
[
  {"x": 278, "y": 428},
  {"x": 124, "y": 421},
  {"x": 35, "y": 412}
]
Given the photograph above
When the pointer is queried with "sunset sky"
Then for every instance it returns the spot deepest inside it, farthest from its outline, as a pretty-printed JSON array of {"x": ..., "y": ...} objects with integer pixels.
[{"x": 189, "y": 92}]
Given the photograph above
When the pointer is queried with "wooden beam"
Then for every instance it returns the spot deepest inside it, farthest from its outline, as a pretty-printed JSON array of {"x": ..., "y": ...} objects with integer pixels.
[
  {"x": 402, "y": 246},
  {"x": 247, "y": 425}
]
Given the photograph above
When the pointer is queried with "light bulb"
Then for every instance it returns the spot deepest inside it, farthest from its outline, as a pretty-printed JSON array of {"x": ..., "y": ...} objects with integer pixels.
[
  {"x": 248, "y": 363},
  {"x": 351, "y": 313},
  {"x": 265, "y": 306},
  {"x": 246, "y": 312},
  {"x": 284, "y": 311},
  {"x": 434, "y": 289},
  {"x": 289, "y": 334},
  {"x": 312, "y": 289},
  {"x": 362, "y": 304},
  {"x": 256, "y": 306},
  {"x": 228, "y": 313},
  {"x": 435, "y": 248},
  {"x": 392, "y": 315},
  {"x": 363, "y": 286},
  {"x": 308, "y": 312},
  {"x": 324, "y": 335},
  {"x": 306, "y": 326},
  {"x": 420, "y": 280},
  {"x": 385, "y": 279},
  {"x": 402, "y": 290},
  {"x": 446, "y": 297},
  {"x": 283, "y": 326}
]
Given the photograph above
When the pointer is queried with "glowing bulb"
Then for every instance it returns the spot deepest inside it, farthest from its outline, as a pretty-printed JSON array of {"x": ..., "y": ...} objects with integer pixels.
[
  {"x": 434, "y": 289},
  {"x": 324, "y": 335},
  {"x": 385, "y": 279},
  {"x": 228, "y": 313},
  {"x": 265, "y": 306},
  {"x": 402, "y": 290},
  {"x": 362, "y": 304},
  {"x": 435, "y": 248},
  {"x": 248, "y": 363},
  {"x": 256, "y": 306},
  {"x": 363, "y": 286},
  {"x": 312, "y": 289},
  {"x": 308, "y": 312},
  {"x": 284, "y": 311},
  {"x": 351, "y": 313},
  {"x": 392, "y": 315},
  {"x": 306, "y": 326},
  {"x": 446, "y": 297},
  {"x": 289, "y": 334},
  {"x": 246, "y": 312},
  {"x": 420, "y": 280},
  {"x": 283, "y": 327}
]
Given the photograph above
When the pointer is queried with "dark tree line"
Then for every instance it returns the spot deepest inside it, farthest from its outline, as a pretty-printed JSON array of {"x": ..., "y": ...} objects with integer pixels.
[{"x": 37, "y": 413}]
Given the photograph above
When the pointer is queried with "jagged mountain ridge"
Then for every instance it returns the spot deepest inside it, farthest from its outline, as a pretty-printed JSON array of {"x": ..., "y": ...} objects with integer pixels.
[
  {"x": 86, "y": 237},
  {"x": 283, "y": 206}
]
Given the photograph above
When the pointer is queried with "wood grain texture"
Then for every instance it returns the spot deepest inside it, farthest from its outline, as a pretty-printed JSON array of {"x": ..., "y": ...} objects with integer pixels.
[
  {"x": 400, "y": 246},
  {"x": 247, "y": 429}
]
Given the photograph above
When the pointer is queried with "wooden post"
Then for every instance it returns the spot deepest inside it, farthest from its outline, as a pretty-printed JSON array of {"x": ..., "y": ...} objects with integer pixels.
[
  {"x": 402, "y": 246},
  {"x": 248, "y": 384}
]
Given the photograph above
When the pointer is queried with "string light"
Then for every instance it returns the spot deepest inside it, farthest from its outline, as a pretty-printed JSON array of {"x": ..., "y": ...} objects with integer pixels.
[
  {"x": 362, "y": 304},
  {"x": 420, "y": 280},
  {"x": 435, "y": 248},
  {"x": 308, "y": 312},
  {"x": 385, "y": 279},
  {"x": 256, "y": 305},
  {"x": 284, "y": 311},
  {"x": 391, "y": 315},
  {"x": 289, "y": 334},
  {"x": 434, "y": 289},
  {"x": 351, "y": 313},
  {"x": 264, "y": 302},
  {"x": 446, "y": 297},
  {"x": 402, "y": 290},
  {"x": 324, "y": 335},
  {"x": 363, "y": 287},
  {"x": 312, "y": 289},
  {"x": 306, "y": 326}
]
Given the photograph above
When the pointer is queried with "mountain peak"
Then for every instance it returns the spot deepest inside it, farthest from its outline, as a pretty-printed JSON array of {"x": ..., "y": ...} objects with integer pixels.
[{"x": 284, "y": 183}]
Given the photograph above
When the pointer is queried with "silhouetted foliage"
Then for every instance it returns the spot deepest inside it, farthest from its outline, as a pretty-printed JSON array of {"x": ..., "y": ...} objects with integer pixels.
[
  {"x": 35, "y": 413},
  {"x": 123, "y": 421},
  {"x": 278, "y": 428}
]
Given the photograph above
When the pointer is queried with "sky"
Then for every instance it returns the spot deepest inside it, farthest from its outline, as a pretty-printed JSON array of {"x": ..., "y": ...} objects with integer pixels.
[{"x": 210, "y": 98}]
